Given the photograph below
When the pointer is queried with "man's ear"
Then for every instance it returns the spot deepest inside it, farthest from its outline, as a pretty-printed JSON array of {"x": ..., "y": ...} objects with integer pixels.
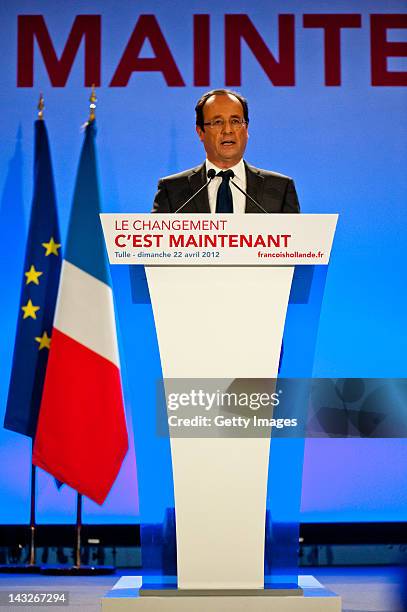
[{"x": 200, "y": 132}]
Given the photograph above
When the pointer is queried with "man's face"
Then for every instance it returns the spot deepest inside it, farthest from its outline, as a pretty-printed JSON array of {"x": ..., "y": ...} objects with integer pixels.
[{"x": 224, "y": 147}]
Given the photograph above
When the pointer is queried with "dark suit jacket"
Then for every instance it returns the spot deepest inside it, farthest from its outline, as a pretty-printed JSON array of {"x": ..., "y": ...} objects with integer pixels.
[{"x": 275, "y": 192}]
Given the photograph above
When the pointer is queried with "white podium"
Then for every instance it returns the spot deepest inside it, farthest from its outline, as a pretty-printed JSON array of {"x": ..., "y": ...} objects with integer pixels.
[{"x": 219, "y": 288}]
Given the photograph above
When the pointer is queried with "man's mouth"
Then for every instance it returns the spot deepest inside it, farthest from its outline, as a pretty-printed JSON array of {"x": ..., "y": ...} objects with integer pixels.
[{"x": 227, "y": 143}]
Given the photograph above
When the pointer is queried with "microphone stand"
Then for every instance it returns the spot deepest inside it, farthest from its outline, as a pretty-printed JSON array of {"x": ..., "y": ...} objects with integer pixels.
[
  {"x": 211, "y": 175},
  {"x": 250, "y": 198}
]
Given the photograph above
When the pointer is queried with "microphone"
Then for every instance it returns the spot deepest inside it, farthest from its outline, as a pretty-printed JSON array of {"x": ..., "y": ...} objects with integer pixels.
[
  {"x": 247, "y": 195},
  {"x": 211, "y": 175}
]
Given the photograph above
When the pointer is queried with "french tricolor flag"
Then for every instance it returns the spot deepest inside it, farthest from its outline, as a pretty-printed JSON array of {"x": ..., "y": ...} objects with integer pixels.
[{"x": 81, "y": 436}]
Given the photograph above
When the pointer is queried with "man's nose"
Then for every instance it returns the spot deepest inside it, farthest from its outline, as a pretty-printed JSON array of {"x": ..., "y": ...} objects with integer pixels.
[{"x": 227, "y": 127}]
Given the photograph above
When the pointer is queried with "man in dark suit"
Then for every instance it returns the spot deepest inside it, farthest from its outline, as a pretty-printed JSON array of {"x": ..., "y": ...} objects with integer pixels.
[{"x": 222, "y": 120}]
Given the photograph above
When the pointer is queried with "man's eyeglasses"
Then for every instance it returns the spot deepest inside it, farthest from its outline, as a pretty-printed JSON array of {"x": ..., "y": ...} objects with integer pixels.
[{"x": 219, "y": 124}]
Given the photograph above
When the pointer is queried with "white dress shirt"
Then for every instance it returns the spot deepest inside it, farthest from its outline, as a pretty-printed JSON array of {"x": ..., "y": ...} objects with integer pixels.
[{"x": 239, "y": 200}]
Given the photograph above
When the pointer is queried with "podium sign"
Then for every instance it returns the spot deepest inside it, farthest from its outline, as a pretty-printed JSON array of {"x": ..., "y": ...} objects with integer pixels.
[{"x": 202, "y": 240}]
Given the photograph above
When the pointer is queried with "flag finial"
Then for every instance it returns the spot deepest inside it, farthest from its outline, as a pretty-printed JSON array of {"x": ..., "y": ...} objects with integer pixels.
[
  {"x": 41, "y": 107},
  {"x": 92, "y": 105}
]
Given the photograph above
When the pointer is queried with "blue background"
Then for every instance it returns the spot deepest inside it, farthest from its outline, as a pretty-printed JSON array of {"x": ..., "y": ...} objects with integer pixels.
[{"x": 345, "y": 146}]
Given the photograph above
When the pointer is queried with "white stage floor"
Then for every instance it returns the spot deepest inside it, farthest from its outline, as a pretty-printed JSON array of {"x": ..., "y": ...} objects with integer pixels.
[{"x": 363, "y": 589}]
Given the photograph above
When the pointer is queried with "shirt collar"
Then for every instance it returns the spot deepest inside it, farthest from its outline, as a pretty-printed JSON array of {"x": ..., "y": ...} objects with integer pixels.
[{"x": 238, "y": 169}]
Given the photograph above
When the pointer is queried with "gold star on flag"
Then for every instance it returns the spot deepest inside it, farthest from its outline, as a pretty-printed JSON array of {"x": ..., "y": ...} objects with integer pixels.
[
  {"x": 30, "y": 310},
  {"x": 51, "y": 247},
  {"x": 32, "y": 276},
  {"x": 44, "y": 341}
]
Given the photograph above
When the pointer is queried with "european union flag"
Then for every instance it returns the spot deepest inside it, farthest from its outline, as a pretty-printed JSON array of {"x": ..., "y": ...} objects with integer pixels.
[{"x": 38, "y": 296}]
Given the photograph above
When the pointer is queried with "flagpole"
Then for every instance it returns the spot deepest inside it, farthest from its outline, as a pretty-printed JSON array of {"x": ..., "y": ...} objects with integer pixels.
[
  {"x": 31, "y": 562},
  {"x": 32, "y": 516},
  {"x": 78, "y": 530},
  {"x": 78, "y": 564},
  {"x": 40, "y": 107},
  {"x": 77, "y": 569},
  {"x": 92, "y": 105}
]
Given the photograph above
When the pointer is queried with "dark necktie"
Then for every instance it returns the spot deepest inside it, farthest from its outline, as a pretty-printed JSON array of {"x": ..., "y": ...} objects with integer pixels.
[{"x": 224, "y": 199}]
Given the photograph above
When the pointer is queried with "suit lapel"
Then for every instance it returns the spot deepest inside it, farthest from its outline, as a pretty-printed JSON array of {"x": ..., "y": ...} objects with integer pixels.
[
  {"x": 196, "y": 179},
  {"x": 254, "y": 187}
]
